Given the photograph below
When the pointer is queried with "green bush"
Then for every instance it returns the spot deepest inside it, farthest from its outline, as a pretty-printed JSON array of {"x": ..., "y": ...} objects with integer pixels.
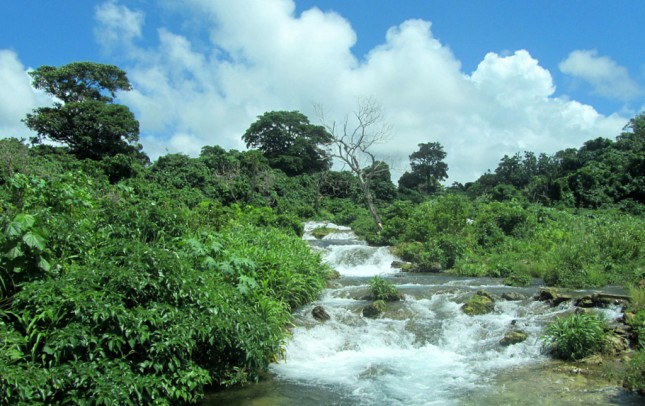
[
  {"x": 634, "y": 375},
  {"x": 134, "y": 294},
  {"x": 576, "y": 336},
  {"x": 383, "y": 290}
]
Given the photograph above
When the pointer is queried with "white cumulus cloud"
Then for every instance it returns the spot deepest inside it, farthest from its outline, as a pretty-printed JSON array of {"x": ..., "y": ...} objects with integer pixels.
[
  {"x": 17, "y": 97},
  {"x": 261, "y": 56},
  {"x": 605, "y": 76}
]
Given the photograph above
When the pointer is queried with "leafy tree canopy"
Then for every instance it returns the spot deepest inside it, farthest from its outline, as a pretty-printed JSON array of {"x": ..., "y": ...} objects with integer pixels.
[
  {"x": 428, "y": 168},
  {"x": 86, "y": 120},
  {"x": 80, "y": 81},
  {"x": 290, "y": 142}
]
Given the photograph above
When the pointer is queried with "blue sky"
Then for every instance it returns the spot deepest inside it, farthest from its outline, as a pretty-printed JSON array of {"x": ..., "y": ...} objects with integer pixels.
[{"x": 484, "y": 78}]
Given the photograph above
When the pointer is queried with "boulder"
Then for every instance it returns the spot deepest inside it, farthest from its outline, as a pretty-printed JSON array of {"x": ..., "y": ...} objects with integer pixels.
[
  {"x": 602, "y": 300},
  {"x": 617, "y": 344},
  {"x": 513, "y": 337},
  {"x": 513, "y": 296},
  {"x": 320, "y": 313},
  {"x": 552, "y": 296},
  {"x": 375, "y": 309},
  {"x": 434, "y": 267},
  {"x": 480, "y": 303}
]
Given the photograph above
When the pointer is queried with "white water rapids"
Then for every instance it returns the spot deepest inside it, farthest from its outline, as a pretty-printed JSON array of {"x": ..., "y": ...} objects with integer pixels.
[{"x": 423, "y": 350}]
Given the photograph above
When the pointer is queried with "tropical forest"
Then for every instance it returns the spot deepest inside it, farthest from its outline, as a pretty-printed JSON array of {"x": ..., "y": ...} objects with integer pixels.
[{"x": 126, "y": 281}]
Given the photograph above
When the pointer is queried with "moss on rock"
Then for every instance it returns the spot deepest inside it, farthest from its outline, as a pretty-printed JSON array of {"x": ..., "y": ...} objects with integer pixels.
[{"x": 480, "y": 303}]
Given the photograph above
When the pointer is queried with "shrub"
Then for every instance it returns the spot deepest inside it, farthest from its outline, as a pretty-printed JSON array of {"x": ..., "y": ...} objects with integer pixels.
[
  {"x": 383, "y": 290},
  {"x": 634, "y": 375},
  {"x": 576, "y": 336}
]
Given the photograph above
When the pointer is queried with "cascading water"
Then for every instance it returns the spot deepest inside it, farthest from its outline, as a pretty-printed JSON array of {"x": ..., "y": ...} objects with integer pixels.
[{"x": 423, "y": 351}]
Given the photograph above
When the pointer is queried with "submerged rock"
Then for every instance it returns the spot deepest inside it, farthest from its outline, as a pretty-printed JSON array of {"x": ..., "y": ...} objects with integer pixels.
[
  {"x": 320, "y": 313},
  {"x": 374, "y": 309},
  {"x": 513, "y": 337},
  {"x": 513, "y": 296},
  {"x": 480, "y": 303}
]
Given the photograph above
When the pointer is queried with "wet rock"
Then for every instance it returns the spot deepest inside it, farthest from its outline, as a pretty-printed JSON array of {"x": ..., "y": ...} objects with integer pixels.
[
  {"x": 399, "y": 264},
  {"x": 513, "y": 296},
  {"x": 374, "y": 309},
  {"x": 595, "y": 359},
  {"x": 617, "y": 344},
  {"x": 601, "y": 300},
  {"x": 434, "y": 267},
  {"x": 332, "y": 275},
  {"x": 513, "y": 337},
  {"x": 320, "y": 313},
  {"x": 480, "y": 303},
  {"x": 586, "y": 302},
  {"x": 553, "y": 296}
]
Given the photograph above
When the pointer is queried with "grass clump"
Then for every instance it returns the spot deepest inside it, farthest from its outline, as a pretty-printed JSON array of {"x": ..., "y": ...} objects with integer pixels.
[{"x": 576, "y": 336}]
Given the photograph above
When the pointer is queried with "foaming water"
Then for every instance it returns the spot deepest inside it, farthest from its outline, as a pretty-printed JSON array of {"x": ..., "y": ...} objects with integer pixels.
[{"x": 422, "y": 351}]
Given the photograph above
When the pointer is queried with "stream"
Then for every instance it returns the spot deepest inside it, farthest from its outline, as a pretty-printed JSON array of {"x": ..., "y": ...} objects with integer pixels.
[{"x": 423, "y": 350}]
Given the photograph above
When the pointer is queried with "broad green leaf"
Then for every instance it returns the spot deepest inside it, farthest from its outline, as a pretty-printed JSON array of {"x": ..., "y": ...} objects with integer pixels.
[
  {"x": 34, "y": 240},
  {"x": 26, "y": 221},
  {"x": 13, "y": 229},
  {"x": 44, "y": 265},
  {"x": 14, "y": 253}
]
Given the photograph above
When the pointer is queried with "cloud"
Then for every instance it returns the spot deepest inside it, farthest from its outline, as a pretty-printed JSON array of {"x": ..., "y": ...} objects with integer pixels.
[
  {"x": 117, "y": 25},
  {"x": 17, "y": 97},
  {"x": 261, "y": 56},
  {"x": 607, "y": 78}
]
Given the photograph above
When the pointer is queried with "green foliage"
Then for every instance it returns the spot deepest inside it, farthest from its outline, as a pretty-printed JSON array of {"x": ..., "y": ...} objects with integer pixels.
[
  {"x": 140, "y": 293},
  {"x": 383, "y": 290},
  {"x": 290, "y": 142},
  {"x": 81, "y": 81},
  {"x": 23, "y": 255},
  {"x": 634, "y": 375},
  {"x": 428, "y": 169},
  {"x": 516, "y": 241},
  {"x": 14, "y": 157},
  {"x": 86, "y": 121},
  {"x": 600, "y": 174},
  {"x": 576, "y": 336}
]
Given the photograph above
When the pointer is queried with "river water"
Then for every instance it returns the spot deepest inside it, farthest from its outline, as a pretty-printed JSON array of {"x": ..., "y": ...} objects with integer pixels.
[{"x": 423, "y": 351}]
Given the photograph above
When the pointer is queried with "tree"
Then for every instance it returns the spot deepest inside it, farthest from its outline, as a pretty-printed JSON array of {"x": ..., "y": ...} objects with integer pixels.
[
  {"x": 428, "y": 166},
  {"x": 290, "y": 142},
  {"x": 352, "y": 144},
  {"x": 86, "y": 119}
]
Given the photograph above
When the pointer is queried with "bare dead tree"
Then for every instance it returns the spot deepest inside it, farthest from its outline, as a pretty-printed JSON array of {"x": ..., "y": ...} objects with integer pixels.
[{"x": 353, "y": 142}]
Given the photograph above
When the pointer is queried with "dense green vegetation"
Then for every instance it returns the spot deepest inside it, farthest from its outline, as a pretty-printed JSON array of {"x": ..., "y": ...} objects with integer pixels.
[
  {"x": 133, "y": 293},
  {"x": 130, "y": 282},
  {"x": 577, "y": 336}
]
